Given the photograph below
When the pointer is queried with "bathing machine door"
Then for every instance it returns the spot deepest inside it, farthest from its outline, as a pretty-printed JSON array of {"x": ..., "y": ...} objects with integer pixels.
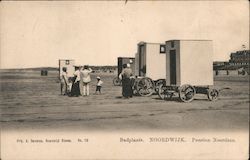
[{"x": 142, "y": 60}]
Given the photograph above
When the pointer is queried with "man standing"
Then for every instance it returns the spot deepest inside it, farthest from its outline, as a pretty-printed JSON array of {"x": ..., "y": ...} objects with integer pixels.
[{"x": 85, "y": 79}]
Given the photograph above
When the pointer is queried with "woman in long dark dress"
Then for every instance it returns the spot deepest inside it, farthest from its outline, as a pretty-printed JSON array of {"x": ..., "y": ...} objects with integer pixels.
[
  {"x": 75, "y": 90},
  {"x": 125, "y": 75}
]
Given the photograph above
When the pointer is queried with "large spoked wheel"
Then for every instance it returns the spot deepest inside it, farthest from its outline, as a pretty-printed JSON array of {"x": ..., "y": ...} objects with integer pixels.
[
  {"x": 145, "y": 87},
  {"x": 165, "y": 94},
  {"x": 186, "y": 93},
  {"x": 133, "y": 84},
  {"x": 158, "y": 84},
  {"x": 117, "y": 81},
  {"x": 161, "y": 92},
  {"x": 212, "y": 94}
]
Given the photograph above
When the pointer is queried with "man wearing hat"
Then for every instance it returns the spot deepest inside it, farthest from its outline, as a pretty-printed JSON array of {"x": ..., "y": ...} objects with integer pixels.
[{"x": 85, "y": 79}]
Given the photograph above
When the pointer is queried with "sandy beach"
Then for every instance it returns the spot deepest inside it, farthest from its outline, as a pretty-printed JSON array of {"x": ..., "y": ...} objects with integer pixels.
[{"x": 33, "y": 102}]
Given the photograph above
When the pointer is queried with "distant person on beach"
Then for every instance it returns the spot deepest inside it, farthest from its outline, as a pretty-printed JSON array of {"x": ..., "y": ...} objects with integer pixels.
[
  {"x": 98, "y": 85},
  {"x": 85, "y": 79},
  {"x": 64, "y": 81},
  {"x": 75, "y": 90},
  {"x": 125, "y": 76},
  {"x": 81, "y": 82}
]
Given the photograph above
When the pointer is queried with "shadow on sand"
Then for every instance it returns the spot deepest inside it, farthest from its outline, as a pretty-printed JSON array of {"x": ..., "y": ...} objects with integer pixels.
[{"x": 177, "y": 99}]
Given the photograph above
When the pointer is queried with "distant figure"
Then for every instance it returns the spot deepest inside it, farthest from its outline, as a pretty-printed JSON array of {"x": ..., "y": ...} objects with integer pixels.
[
  {"x": 64, "y": 82},
  {"x": 85, "y": 79},
  {"x": 75, "y": 90},
  {"x": 125, "y": 76},
  {"x": 98, "y": 85},
  {"x": 44, "y": 72}
]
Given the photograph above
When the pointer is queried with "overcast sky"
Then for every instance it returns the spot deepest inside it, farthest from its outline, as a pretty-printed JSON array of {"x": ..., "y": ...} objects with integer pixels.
[{"x": 35, "y": 34}]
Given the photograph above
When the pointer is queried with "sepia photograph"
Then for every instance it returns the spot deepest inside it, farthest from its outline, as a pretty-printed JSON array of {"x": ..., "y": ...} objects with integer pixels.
[{"x": 124, "y": 79}]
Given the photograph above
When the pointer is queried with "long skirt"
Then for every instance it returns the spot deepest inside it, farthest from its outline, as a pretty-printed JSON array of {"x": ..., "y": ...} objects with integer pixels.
[
  {"x": 127, "y": 90},
  {"x": 75, "y": 90}
]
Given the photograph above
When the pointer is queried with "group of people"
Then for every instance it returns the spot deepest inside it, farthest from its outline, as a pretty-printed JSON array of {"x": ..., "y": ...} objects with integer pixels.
[{"x": 79, "y": 84}]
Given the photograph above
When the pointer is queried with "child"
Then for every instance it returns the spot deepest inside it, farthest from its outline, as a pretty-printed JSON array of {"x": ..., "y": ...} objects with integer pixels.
[{"x": 98, "y": 85}]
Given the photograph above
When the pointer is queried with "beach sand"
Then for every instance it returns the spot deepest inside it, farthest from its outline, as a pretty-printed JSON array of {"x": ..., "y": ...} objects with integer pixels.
[{"x": 33, "y": 102}]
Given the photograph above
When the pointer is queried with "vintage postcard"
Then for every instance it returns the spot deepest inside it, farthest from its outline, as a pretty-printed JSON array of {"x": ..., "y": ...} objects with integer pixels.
[{"x": 124, "y": 80}]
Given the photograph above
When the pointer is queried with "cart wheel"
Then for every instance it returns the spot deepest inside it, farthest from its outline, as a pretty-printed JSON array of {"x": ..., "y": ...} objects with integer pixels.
[
  {"x": 212, "y": 94},
  {"x": 117, "y": 81},
  {"x": 164, "y": 94},
  {"x": 186, "y": 93},
  {"x": 158, "y": 84},
  {"x": 133, "y": 83},
  {"x": 145, "y": 87},
  {"x": 161, "y": 92}
]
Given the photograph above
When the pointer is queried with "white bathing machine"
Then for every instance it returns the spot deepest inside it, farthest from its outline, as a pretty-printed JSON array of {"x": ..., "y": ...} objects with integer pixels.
[
  {"x": 189, "y": 69},
  {"x": 69, "y": 64},
  {"x": 151, "y": 60},
  {"x": 150, "y": 66}
]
